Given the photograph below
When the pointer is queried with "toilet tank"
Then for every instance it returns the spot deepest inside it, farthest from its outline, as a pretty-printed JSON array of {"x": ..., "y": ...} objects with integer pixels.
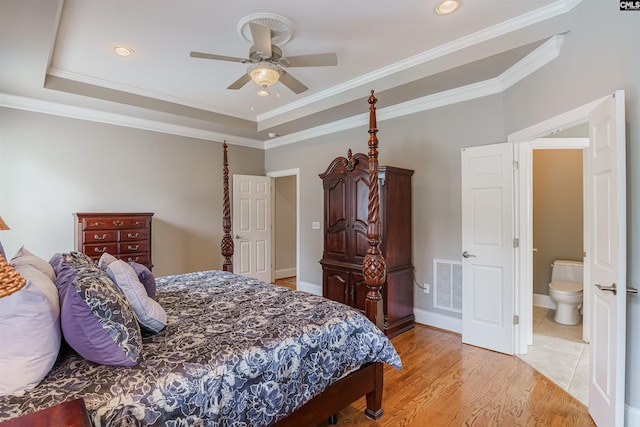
[{"x": 566, "y": 271}]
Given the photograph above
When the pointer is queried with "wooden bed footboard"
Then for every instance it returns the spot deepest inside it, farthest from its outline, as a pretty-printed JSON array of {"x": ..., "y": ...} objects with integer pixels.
[{"x": 367, "y": 381}]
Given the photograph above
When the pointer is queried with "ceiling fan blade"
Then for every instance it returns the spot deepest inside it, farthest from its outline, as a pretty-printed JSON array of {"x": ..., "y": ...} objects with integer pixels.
[
  {"x": 240, "y": 82},
  {"x": 313, "y": 60},
  {"x": 261, "y": 35},
  {"x": 217, "y": 57},
  {"x": 292, "y": 83}
]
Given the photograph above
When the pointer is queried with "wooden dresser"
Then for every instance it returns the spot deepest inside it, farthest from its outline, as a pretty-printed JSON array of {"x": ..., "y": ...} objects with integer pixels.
[
  {"x": 126, "y": 236},
  {"x": 346, "y": 198}
]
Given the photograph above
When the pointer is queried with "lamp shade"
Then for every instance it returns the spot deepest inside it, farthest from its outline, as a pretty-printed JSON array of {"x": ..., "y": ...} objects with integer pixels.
[
  {"x": 264, "y": 74},
  {"x": 3, "y": 225}
]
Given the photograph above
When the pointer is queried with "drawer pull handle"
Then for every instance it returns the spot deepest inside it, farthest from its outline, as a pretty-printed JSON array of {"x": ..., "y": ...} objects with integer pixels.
[
  {"x": 118, "y": 222},
  {"x": 133, "y": 236},
  {"x": 133, "y": 259},
  {"x": 100, "y": 251},
  {"x": 133, "y": 248},
  {"x": 97, "y": 223},
  {"x": 95, "y": 236},
  {"x": 138, "y": 222}
]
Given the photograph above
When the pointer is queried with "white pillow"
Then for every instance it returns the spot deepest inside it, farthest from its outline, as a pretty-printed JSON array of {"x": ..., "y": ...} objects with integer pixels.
[
  {"x": 24, "y": 257},
  {"x": 29, "y": 333},
  {"x": 150, "y": 314}
]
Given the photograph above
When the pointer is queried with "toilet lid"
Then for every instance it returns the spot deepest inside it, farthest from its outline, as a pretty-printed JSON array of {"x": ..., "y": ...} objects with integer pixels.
[{"x": 566, "y": 286}]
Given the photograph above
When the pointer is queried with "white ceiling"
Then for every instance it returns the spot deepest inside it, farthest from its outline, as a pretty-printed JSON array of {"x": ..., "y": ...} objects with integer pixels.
[{"x": 59, "y": 53}]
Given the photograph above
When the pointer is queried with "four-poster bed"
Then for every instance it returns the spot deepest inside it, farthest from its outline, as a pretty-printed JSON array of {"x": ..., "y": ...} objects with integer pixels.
[
  {"x": 368, "y": 380},
  {"x": 235, "y": 351}
]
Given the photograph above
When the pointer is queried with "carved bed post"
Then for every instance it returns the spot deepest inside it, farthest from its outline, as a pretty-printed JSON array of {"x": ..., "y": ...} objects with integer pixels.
[
  {"x": 227, "y": 241},
  {"x": 374, "y": 267}
]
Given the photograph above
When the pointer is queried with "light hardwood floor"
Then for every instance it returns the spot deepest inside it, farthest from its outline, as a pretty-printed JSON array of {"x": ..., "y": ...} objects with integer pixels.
[{"x": 446, "y": 383}]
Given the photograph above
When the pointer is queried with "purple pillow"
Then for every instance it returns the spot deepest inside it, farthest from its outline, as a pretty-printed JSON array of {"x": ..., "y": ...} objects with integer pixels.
[
  {"x": 146, "y": 278},
  {"x": 95, "y": 317}
]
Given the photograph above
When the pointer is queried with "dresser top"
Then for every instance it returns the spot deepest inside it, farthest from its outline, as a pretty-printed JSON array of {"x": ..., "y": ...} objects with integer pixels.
[{"x": 103, "y": 214}]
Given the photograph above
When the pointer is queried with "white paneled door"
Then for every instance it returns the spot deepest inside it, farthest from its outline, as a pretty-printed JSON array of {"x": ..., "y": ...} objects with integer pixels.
[
  {"x": 606, "y": 255},
  {"x": 252, "y": 226},
  {"x": 487, "y": 244}
]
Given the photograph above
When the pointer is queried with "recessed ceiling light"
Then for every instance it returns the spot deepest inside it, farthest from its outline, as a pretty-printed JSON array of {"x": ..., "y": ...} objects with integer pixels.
[
  {"x": 446, "y": 7},
  {"x": 123, "y": 50}
]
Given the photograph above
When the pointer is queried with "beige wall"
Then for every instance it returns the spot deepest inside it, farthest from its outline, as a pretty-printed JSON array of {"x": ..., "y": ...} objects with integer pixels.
[
  {"x": 428, "y": 143},
  {"x": 51, "y": 167},
  {"x": 285, "y": 225},
  {"x": 557, "y": 212}
]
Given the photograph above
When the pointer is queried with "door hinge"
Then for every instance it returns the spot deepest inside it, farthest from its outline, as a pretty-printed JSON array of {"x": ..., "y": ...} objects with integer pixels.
[
  {"x": 516, "y": 319},
  {"x": 516, "y": 165},
  {"x": 516, "y": 242}
]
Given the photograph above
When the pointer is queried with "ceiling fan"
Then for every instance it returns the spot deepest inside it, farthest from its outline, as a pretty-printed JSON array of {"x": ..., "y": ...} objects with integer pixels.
[{"x": 266, "y": 62}]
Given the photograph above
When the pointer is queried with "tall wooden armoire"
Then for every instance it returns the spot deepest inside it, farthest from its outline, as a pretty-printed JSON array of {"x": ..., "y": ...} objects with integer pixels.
[{"x": 346, "y": 201}]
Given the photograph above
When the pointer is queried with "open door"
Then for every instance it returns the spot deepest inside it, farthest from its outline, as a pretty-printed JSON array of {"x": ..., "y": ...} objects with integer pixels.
[
  {"x": 252, "y": 226},
  {"x": 606, "y": 255},
  {"x": 488, "y": 245}
]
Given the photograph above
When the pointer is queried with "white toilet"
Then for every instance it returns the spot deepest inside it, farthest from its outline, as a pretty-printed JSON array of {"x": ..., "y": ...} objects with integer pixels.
[{"x": 565, "y": 290}]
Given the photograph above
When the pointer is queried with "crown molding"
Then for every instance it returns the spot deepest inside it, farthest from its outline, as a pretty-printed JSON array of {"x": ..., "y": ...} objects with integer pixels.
[
  {"x": 544, "y": 54},
  {"x": 82, "y": 78},
  {"x": 81, "y": 113},
  {"x": 550, "y": 11}
]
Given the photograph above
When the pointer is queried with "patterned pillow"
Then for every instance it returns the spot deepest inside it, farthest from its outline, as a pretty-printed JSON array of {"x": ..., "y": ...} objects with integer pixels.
[{"x": 96, "y": 319}]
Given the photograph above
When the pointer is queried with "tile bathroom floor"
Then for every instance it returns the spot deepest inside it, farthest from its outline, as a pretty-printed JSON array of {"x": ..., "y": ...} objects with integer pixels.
[{"x": 559, "y": 353}]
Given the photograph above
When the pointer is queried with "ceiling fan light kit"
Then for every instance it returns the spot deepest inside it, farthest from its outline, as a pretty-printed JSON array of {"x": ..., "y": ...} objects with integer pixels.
[
  {"x": 266, "y": 61},
  {"x": 264, "y": 74}
]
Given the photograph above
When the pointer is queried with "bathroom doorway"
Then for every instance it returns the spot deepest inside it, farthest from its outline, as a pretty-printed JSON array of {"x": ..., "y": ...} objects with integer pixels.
[{"x": 557, "y": 350}]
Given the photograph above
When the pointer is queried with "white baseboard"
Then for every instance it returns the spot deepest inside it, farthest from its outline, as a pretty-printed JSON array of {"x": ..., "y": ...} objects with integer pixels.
[
  {"x": 285, "y": 272},
  {"x": 438, "y": 320},
  {"x": 543, "y": 301},
  {"x": 632, "y": 416},
  {"x": 422, "y": 316},
  {"x": 309, "y": 287}
]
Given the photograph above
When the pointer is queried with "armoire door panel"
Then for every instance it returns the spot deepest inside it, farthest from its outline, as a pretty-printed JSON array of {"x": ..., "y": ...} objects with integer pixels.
[
  {"x": 359, "y": 291},
  {"x": 336, "y": 243},
  {"x": 335, "y": 285}
]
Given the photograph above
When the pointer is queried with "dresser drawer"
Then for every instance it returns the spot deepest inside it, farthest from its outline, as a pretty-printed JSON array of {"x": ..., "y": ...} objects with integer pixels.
[
  {"x": 142, "y": 258},
  {"x": 133, "y": 247},
  {"x": 133, "y": 234},
  {"x": 99, "y": 236},
  {"x": 102, "y": 223},
  {"x": 97, "y": 249}
]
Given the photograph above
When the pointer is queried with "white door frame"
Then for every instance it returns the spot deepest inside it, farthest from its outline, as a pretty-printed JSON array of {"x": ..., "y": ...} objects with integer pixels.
[
  {"x": 279, "y": 174},
  {"x": 526, "y": 195},
  {"x": 523, "y": 140}
]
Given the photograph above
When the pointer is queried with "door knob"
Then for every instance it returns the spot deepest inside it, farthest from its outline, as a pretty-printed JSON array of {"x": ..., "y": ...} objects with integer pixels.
[
  {"x": 237, "y": 236},
  {"x": 467, "y": 255},
  {"x": 631, "y": 290},
  {"x": 611, "y": 288}
]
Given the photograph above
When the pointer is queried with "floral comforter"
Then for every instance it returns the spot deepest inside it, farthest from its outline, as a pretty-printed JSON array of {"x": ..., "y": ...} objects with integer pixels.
[{"x": 235, "y": 352}]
